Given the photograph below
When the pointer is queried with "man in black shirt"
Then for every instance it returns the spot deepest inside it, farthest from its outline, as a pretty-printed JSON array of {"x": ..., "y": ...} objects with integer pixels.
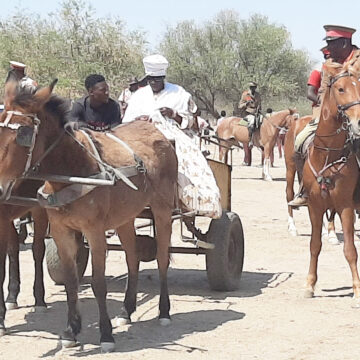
[{"x": 96, "y": 110}]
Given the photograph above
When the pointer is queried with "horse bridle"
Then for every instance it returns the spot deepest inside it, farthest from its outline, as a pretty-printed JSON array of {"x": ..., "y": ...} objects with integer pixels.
[
  {"x": 323, "y": 181},
  {"x": 25, "y": 135}
]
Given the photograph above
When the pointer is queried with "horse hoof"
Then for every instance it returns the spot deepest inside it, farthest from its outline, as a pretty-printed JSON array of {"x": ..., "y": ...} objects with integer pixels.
[
  {"x": 293, "y": 232},
  {"x": 39, "y": 309},
  {"x": 268, "y": 178},
  {"x": 67, "y": 344},
  {"x": 2, "y": 332},
  {"x": 308, "y": 294},
  {"x": 122, "y": 321},
  {"x": 107, "y": 347},
  {"x": 165, "y": 321},
  {"x": 11, "y": 305}
]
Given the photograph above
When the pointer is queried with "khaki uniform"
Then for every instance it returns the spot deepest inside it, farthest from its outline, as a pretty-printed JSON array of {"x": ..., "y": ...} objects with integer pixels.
[{"x": 249, "y": 105}]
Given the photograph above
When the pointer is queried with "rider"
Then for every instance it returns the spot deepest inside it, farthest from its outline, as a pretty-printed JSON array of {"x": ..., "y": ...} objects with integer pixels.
[
  {"x": 17, "y": 73},
  {"x": 341, "y": 49},
  {"x": 96, "y": 110},
  {"x": 250, "y": 106}
]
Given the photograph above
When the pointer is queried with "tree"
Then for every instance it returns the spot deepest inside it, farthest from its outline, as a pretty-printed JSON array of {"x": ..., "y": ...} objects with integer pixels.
[
  {"x": 215, "y": 61},
  {"x": 71, "y": 44}
]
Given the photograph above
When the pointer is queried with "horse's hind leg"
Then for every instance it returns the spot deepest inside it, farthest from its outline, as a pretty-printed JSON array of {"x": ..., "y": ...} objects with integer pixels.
[
  {"x": 38, "y": 248},
  {"x": 163, "y": 225},
  {"x": 97, "y": 241},
  {"x": 316, "y": 217},
  {"x": 9, "y": 231},
  {"x": 3, "y": 246},
  {"x": 331, "y": 234},
  {"x": 67, "y": 250},
  {"x": 128, "y": 240},
  {"x": 350, "y": 252}
]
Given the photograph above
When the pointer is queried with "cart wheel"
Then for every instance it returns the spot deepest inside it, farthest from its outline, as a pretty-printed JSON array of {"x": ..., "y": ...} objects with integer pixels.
[
  {"x": 54, "y": 264},
  {"x": 224, "y": 264}
]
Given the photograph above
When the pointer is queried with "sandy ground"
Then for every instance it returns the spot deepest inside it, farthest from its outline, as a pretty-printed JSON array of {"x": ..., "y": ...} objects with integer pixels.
[{"x": 267, "y": 318}]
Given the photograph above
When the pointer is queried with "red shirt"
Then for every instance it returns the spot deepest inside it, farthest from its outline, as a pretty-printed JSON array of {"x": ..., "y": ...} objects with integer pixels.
[{"x": 315, "y": 80}]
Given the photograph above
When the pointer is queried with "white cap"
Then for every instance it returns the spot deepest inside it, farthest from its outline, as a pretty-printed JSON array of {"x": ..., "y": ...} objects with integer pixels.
[
  {"x": 18, "y": 65},
  {"x": 155, "y": 65}
]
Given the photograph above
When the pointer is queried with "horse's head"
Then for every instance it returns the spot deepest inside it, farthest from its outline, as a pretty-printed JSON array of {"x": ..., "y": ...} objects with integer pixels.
[
  {"x": 19, "y": 127},
  {"x": 343, "y": 97}
]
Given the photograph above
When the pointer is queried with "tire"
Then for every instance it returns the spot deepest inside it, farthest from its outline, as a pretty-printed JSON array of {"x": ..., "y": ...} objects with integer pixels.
[
  {"x": 224, "y": 264},
  {"x": 54, "y": 264}
]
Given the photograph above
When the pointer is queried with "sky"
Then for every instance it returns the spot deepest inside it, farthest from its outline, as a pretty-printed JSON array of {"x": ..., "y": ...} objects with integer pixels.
[{"x": 304, "y": 19}]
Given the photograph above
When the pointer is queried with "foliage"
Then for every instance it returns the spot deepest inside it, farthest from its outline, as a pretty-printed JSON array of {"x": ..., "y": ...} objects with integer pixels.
[
  {"x": 215, "y": 61},
  {"x": 71, "y": 44}
]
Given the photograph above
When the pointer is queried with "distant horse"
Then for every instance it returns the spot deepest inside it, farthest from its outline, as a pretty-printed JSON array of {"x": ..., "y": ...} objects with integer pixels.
[
  {"x": 264, "y": 138},
  {"x": 142, "y": 148},
  {"x": 331, "y": 171},
  {"x": 294, "y": 129}
]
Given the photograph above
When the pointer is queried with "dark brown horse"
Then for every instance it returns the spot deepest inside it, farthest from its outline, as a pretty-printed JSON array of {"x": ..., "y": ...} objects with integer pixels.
[
  {"x": 331, "y": 172},
  {"x": 264, "y": 138},
  {"x": 106, "y": 207}
]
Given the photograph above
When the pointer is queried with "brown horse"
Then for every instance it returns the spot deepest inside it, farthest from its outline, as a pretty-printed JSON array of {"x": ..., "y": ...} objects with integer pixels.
[
  {"x": 264, "y": 138},
  {"x": 106, "y": 207},
  {"x": 331, "y": 171}
]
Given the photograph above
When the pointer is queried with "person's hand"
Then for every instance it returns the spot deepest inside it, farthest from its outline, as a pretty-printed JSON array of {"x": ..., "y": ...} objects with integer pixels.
[
  {"x": 143, "y": 118},
  {"x": 167, "y": 112}
]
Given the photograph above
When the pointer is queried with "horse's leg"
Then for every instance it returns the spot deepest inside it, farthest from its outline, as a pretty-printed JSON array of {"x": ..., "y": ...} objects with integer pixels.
[
  {"x": 290, "y": 177},
  {"x": 272, "y": 157},
  {"x": 247, "y": 154},
  {"x": 67, "y": 250},
  {"x": 266, "y": 167},
  {"x": 279, "y": 141},
  {"x": 3, "y": 247},
  {"x": 331, "y": 234},
  {"x": 162, "y": 217},
  {"x": 350, "y": 252},
  {"x": 38, "y": 249},
  {"x": 316, "y": 218},
  {"x": 128, "y": 241},
  {"x": 8, "y": 229},
  {"x": 97, "y": 242}
]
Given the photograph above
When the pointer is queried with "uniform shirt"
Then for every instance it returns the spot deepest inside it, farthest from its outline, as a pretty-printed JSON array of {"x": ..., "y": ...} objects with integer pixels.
[
  {"x": 254, "y": 102},
  {"x": 103, "y": 118},
  {"x": 315, "y": 80},
  {"x": 145, "y": 102}
]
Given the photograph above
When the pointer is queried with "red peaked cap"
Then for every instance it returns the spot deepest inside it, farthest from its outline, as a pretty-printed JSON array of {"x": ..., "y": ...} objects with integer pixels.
[{"x": 334, "y": 32}]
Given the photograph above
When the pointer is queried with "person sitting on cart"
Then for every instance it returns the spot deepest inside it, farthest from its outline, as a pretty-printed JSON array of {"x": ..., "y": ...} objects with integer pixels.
[{"x": 97, "y": 110}]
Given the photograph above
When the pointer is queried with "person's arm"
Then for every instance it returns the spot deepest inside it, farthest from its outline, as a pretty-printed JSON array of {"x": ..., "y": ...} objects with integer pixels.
[
  {"x": 312, "y": 94},
  {"x": 117, "y": 115},
  {"x": 244, "y": 101}
]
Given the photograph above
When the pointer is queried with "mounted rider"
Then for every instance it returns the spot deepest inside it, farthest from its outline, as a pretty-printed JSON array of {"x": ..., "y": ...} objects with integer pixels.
[
  {"x": 250, "y": 107},
  {"x": 341, "y": 49},
  {"x": 17, "y": 73}
]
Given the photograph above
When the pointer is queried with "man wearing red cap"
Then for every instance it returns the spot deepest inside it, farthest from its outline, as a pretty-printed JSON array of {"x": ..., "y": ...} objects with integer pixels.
[{"x": 341, "y": 49}]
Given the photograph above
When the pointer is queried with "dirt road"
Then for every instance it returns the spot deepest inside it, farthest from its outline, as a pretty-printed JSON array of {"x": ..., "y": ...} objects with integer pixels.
[{"x": 267, "y": 318}]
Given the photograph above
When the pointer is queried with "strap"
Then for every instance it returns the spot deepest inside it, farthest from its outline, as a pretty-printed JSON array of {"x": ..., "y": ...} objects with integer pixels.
[{"x": 94, "y": 149}]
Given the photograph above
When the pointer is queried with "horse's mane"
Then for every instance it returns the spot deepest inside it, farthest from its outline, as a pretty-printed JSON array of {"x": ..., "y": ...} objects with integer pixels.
[{"x": 56, "y": 106}]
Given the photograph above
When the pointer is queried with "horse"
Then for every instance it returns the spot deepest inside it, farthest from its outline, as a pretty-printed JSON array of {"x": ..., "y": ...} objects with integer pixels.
[
  {"x": 57, "y": 149},
  {"x": 331, "y": 171},
  {"x": 264, "y": 138}
]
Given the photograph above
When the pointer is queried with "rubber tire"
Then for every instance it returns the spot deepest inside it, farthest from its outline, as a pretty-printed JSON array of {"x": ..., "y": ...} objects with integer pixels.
[
  {"x": 224, "y": 264},
  {"x": 54, "y": 264}
]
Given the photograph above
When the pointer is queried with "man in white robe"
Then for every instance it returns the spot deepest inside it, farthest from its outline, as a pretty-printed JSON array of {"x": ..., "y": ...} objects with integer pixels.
[{"x": 172, "y": 109}]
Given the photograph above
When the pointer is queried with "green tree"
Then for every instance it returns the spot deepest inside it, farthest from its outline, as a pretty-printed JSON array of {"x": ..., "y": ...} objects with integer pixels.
[{"x": 215, "y": 61}]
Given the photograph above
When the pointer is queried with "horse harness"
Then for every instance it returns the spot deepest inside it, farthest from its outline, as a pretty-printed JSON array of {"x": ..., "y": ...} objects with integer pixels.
[
  {"x": 26, "y": 137},
  {"x": 336, "y": 166}
]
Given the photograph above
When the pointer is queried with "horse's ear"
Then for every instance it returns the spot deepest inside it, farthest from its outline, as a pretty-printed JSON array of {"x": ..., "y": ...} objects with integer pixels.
[
  {"x": 292, "y": 111},
  {"x": 10, "y": 92},
  {"x": 42, "y": 95}
]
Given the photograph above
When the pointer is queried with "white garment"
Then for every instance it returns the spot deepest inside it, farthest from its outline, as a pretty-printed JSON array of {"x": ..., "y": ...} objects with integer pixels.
[
  {"x": 197, "y": 187},
  {"x": 220, "y": 120},
  {"x": 125, "y": 96},
  {"x": 145, "y": 102},
  {"x": 202, "y": 123}
]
